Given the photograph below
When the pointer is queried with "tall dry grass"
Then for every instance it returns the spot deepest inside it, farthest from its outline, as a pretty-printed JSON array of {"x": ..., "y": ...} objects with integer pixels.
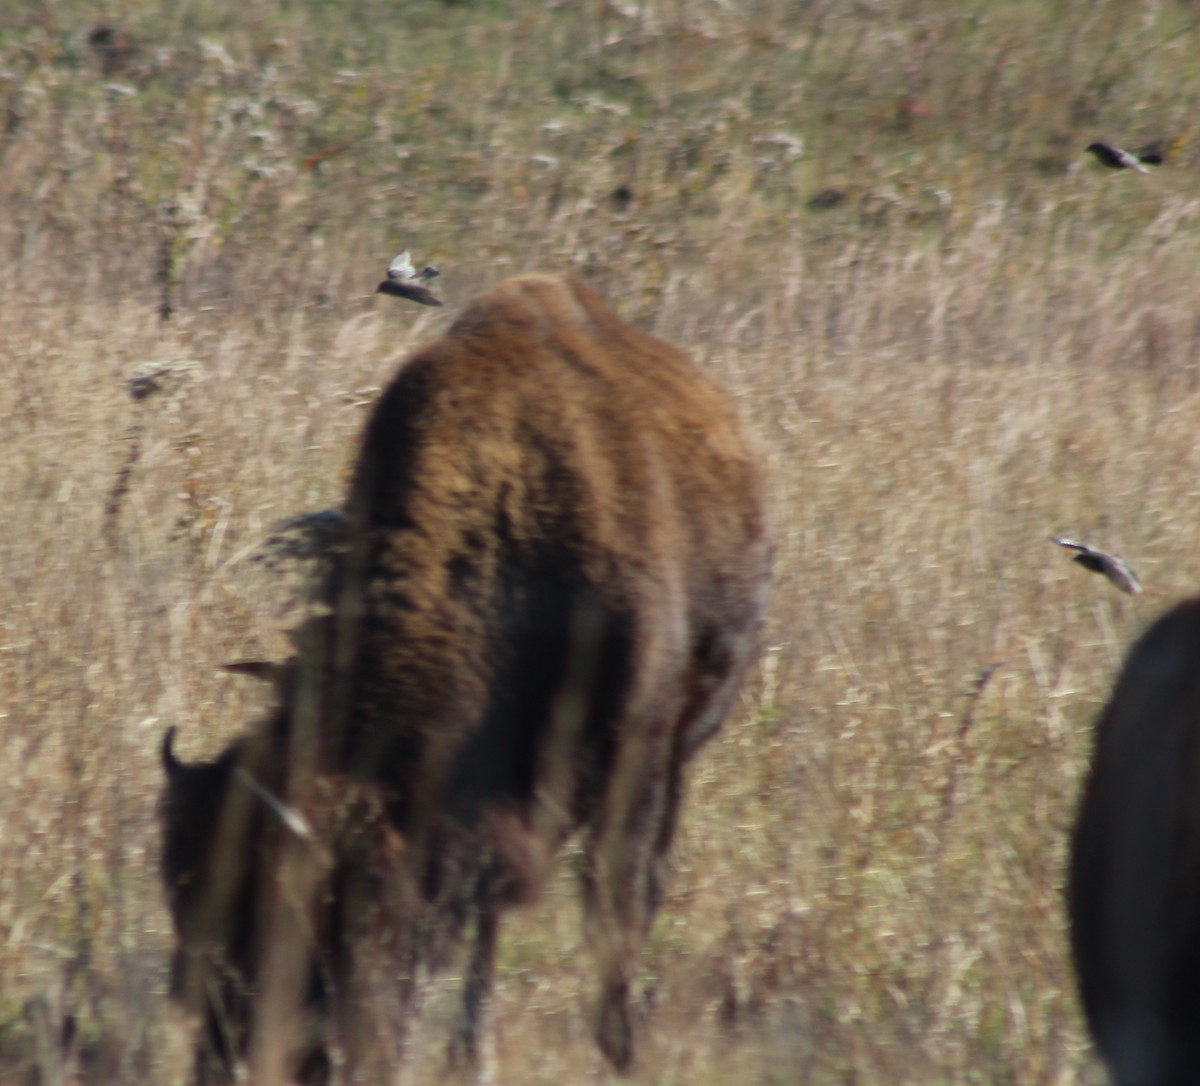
[{"x": 983, "y": 341}]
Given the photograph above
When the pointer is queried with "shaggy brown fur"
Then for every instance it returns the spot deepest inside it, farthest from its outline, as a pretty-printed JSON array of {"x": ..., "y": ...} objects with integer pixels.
[
  {"x": 1134, "y": 885},
  {"x": 556, "y": 570}
]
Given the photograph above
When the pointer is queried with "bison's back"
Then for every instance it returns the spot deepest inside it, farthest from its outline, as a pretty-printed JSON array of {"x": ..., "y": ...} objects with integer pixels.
[
  {"x": 543, "y": 411},
  {"x": 1134, "y": 881}
]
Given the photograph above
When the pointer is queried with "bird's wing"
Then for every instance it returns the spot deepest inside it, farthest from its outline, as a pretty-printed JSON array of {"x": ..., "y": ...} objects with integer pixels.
[
  {"x": 1070, "y": 544},
  {"x": 401, "y": 267},
  {"x": 1129, "y": 161},
  {"x": 1117, "y": 570}
]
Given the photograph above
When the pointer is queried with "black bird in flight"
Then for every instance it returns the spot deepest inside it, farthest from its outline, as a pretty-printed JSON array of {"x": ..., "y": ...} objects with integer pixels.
[
  {"x": 404, "y": 281},
  {"x": 1116, "y": 158},
  {"x": 1112, "y": 566}
]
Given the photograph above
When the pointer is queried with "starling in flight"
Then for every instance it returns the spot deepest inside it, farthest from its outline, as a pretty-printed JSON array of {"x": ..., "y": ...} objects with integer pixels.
[
  {"x": 1113, "y": 566},
  {"x": 404, "y": 281}
]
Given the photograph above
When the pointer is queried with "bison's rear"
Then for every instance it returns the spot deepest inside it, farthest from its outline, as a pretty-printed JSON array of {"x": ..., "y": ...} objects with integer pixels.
[
  {"x": 1134, "y": 883},
  {"x": 555, "y": 571}
]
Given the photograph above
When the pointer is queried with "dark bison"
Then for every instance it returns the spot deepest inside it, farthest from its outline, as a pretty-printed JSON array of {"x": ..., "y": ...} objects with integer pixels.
[
  {"x": 555, "y": 570},
  {"x": 1134, "y": 882}
]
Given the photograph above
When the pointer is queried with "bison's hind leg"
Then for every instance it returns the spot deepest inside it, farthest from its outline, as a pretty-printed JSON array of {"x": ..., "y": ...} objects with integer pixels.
[
  {"x": 628, "y": 865},
  {"x": 622, "y": 888},
  {"x": 464, "y": 1051},
  {"x": 508, "y": 870}
]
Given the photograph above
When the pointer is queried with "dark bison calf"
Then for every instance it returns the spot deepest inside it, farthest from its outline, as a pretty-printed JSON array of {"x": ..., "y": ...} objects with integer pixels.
[
  {"x": 555, "y": 571},
  {"x": 1134, "y": 881}
]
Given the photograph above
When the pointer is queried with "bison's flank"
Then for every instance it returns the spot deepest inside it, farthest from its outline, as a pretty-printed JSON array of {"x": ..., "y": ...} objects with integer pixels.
[
  {"x": 555, "y": 570},
  {"x": 1134, "y": 881}
]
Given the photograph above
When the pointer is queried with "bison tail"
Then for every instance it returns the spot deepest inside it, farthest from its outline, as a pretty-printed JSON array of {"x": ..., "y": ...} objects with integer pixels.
[{"x": 519, "y": 856}]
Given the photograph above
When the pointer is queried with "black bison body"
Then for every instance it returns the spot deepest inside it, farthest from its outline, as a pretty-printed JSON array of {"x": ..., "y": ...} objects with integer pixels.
[
  {"x": 555, "y": 572},
  {"x": 1134, "y": 882}
]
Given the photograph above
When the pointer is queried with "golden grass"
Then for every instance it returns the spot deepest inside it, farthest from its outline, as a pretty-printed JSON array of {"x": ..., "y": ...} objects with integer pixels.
[{"x": 980, "y": 346}]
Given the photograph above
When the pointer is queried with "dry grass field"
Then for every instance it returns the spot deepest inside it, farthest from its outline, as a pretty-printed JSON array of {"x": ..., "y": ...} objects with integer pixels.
[{"x": 952, "y": 334}]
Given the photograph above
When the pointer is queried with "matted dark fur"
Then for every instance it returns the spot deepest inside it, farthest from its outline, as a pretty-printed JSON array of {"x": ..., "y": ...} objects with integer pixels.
[
  {"x": 557, "y": 568},
  {"x": 1134, "y": 880}
]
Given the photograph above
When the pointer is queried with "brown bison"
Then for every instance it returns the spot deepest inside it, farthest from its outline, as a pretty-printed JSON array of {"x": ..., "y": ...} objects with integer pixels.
[
  {"x": 555, "y": 570},
  {"x": 1134, "y": 882}
]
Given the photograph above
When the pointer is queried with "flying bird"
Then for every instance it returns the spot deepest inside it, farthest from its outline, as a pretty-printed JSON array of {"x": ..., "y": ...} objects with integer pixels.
[
  {"x": 1113, "y": 566},
  {"x": 1116, "y": 158},
  {"x": 404, "y": 281}
]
